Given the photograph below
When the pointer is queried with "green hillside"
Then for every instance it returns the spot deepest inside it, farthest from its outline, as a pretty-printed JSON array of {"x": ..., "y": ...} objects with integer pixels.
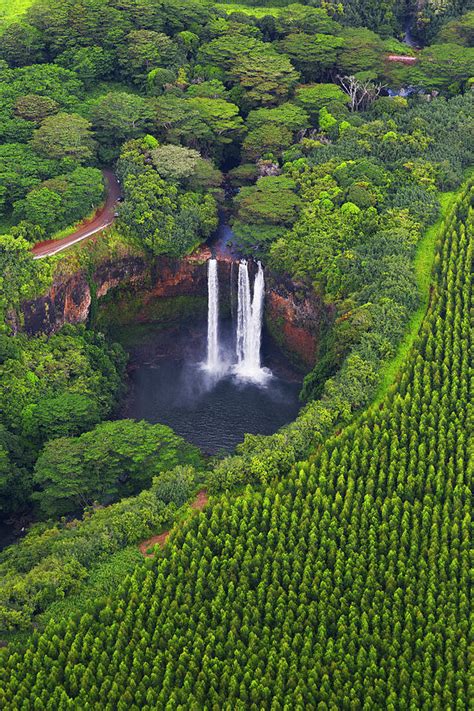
[
  {"x": 345, "y": 586},
  {"x": 235, "y": 354}
]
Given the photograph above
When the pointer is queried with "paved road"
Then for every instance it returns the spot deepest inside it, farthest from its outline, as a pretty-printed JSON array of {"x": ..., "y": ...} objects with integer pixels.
[{"x": 102, "y": 219}]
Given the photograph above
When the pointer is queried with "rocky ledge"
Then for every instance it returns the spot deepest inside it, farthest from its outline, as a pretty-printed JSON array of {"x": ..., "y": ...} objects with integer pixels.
[{"x": 294, "y": 314}]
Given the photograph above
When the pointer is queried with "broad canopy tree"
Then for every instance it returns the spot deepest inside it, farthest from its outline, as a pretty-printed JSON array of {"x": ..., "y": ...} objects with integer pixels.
[
  {"x": 118, "y": 116},
  {"x": 20, "y": 170},
  {"x": 302, "y": 18},
  {"x": 313, "y": 97},
  {"x": 175, "y": 162},
  {"x": 61, "y": 201},
  {"x": 114, "y": 459},
  {"x": 313, "y": 55},
  {"x": 65, "y": 136},
  {"x": 198, "y": 122},
  {"x": 266, "y": 76},
  {"x": 146, "y": 50},
  {"x": 159, "y": 214}
]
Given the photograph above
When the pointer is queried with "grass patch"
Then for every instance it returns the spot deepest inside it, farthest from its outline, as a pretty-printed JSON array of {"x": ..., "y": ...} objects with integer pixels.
[
  {"x": 12, "y": 9},
  {"x": 108, "y": 245},
  {"x": 247, "y": 10},
  {"x": 423, "y": 266}
]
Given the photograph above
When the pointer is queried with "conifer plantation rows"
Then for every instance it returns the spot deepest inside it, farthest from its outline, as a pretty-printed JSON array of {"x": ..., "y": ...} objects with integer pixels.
[{"x": 343, "y": 587}]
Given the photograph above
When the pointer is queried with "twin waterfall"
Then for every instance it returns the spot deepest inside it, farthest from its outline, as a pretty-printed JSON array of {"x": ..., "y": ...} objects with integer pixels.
[{"x": 249, "y": 325}]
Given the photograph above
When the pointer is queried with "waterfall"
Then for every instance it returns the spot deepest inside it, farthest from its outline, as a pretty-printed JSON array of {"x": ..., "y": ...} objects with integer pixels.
[
  {"x": 244, "y": 313},
  {"x": 213, "y": 364},
  {"x": 249, "y": 325}
]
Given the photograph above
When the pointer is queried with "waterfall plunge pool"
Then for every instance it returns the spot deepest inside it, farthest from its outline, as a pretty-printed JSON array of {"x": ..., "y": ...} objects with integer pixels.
[{"x": 168, "y": 384}]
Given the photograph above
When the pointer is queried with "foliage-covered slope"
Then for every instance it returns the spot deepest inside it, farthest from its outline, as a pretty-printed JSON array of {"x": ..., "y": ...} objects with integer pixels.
[
  {"x": 11, "y": 9},
  {"x": 343, "y": 587}
]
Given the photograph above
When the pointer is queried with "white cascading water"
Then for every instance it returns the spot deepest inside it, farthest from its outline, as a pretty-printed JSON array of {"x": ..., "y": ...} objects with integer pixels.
[
  {"x": 249, "y": 325},
  {"x": 244, "y": 313},
  {"x": 213, "y": 364}
]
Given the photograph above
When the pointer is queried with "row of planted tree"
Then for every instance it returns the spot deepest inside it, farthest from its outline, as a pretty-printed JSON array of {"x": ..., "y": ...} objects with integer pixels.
[{"x": 343, "y": 586}]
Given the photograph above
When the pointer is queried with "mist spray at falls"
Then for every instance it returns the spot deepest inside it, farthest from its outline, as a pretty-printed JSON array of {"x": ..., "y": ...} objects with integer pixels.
[{"x": 248, "y": 329}]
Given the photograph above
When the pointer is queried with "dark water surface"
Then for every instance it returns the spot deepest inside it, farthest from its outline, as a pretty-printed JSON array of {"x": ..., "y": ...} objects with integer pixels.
[{"x": 167, "y": 384}]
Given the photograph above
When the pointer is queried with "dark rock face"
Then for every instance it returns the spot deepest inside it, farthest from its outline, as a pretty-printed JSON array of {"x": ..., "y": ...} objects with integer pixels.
[
  {"x": 131, "y": 271},
  {"x": 294, "y": 314}
]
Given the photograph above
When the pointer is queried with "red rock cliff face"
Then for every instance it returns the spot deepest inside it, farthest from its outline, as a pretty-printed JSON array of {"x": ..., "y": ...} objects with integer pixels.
[
  {"x": 69, "y": 300},
  {"x": 295, "y": 316},
  {"x": 66, "y": 302}
]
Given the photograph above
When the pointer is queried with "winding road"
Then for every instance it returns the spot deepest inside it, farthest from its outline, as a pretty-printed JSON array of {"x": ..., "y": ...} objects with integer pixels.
[{"x": 103, "y": 218}]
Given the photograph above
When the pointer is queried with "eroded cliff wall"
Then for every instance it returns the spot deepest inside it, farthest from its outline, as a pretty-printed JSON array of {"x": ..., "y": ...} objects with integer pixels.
[
  {"x": 130, "y": 278},
  {"x": 295, "y": 317},
  {"x": 132, "y": 290}
]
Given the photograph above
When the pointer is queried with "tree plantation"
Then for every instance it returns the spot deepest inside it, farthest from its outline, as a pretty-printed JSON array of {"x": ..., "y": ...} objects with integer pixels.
[
  {"x": 250, "y": 224},
  {"x": 344, "y": 585}
]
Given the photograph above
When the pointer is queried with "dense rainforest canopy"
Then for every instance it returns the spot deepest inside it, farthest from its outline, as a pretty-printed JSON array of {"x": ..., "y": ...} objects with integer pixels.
[{"x": 342, "y": 156}]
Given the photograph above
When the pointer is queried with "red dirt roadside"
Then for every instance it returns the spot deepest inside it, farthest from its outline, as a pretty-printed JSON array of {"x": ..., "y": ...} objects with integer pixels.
[
  {"x": 160, "y": 540},
  {"x": 200, "y": 501},
  {"x": 103, "y": 218},
  {"x": 198, "y": 504}
]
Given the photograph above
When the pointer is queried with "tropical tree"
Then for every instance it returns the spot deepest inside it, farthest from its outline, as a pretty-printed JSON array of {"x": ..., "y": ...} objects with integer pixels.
[
  {"x": 302, "y": 18},
  {"x": 145, "y": 50},
  {"x": 90, "y": 64},
  {"x": 288, "y": 115},
  {"x": 63, "y": 415},
  {"x": 313, "y": 55},
  {"x": 20, "y": 276},
  {"x": 21, "y": 44},
  {"x": 32, "y": 107},
  {"x": 20, "y": 170},
  {"x": 266, "y": 77},
  {"x": 64, "y": 136},
  {"x": 226, "y": 50},
  {"x": 62, "y": 200},
  {"x": 313, "y": 97},
  {"x": 201, "y": 123},
  {"x": 118, "y": 116},
  {"x": 362, "y": 51},
  {"x": 114, "y": 457},
  {"x": 175, "y": 162},
  {"x": 270, "y": 138},
  {"x": 444, "y": 64}
]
